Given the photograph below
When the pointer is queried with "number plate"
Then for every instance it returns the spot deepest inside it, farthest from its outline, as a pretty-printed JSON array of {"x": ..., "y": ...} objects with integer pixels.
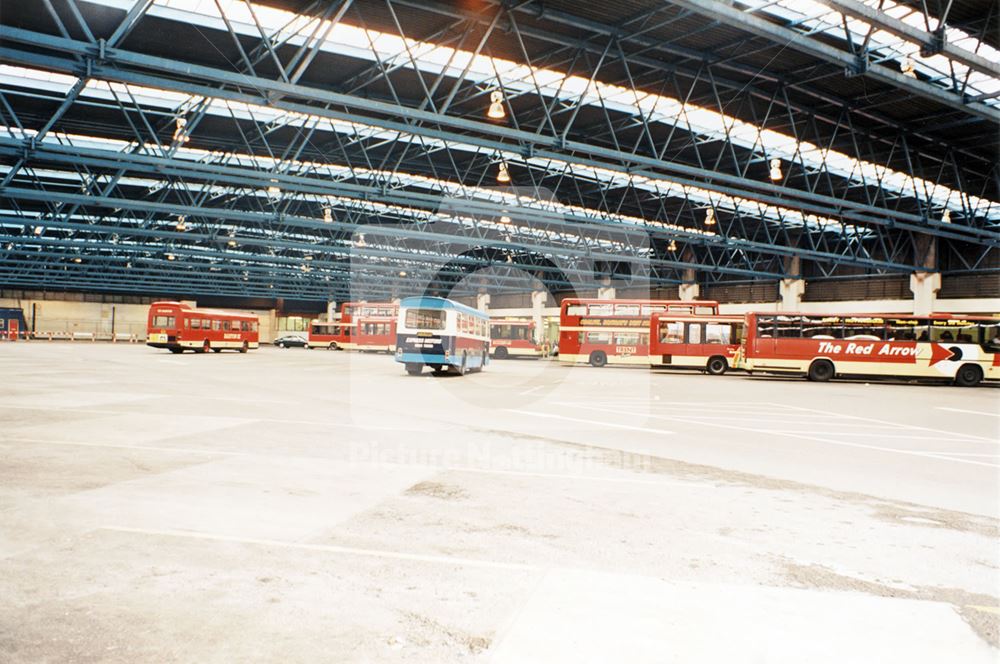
[{"x": 158, "y": 338}]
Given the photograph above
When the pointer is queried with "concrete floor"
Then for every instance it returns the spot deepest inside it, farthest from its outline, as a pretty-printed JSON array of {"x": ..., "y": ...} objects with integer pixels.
[{"x": 314, "y": 506}]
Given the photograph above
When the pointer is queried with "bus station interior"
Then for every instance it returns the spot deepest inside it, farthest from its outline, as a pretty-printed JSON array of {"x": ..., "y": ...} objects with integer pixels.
[{"x": 402, "y": 185}]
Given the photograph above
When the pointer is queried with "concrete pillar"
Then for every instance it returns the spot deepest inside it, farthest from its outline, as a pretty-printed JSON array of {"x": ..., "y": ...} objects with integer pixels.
[
  {"x": 606, "y": 293},
  {"x": 688, "y": 292},
  {"x": 791, "y": 291},
  {"x": 331, "y": 310},
  {"x": 925, "y": 287},
  {"x": 538, "y": 300},
  {"x": 483, "y": 302}
]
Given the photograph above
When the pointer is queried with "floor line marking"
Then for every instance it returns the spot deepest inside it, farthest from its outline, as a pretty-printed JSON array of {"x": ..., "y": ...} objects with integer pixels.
[
  {"x": 534, "y": 389},
  {"x": 971, "y": 412},
  {"x": 150, "y": 448},
  {"x": 895, "y": 424},
  {"x": 328, "y": 548},
  {"x": 841, "y": 443},
  {"x": 583, "y": 421}
]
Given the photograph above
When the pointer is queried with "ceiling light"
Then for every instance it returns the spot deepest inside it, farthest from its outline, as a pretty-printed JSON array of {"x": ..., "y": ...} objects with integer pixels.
[
  {"x": 672, "y": 246},
  {"x": 775, "y": 169},
  {"x": 232, "y": 243},
  {"x": 179, "y": 134},
  {"x": 77, "y": 260},
  {"x": 327, "y": 215},
  {"x": 170, "y": 257},
  {"x": 906, "y": 66},
  {"x": 360, "y": 242},
  {"x": 503, "y": 175},
  {"x": 504, "y": 219},
  {"x": 710, "y": 217},
  {"x": 181, "y": 225},
  {"x": 402, "y": 273},
  {"x": 496, "y": 111},
  {"x": 39, "y": 230},
  {"x": 509, "y": 259},
  {"x": 946, "y": 216}
]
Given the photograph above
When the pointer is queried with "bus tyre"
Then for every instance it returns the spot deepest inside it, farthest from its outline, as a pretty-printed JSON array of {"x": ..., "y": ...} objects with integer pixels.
[
  {"x": 500, "y": 353},
  {"x": 332, "y": 346},
  {"x": 821, "y": 371},
  {"x": 717, "y": 365},
  {"x": 968, "y": 375},
  {"x": 598, "y": 358},
  {"x": 216, "y": 350},
  {"x": 245, "y": 347},
  {"x": 414, "y": 368},
  {"x": 207, "y": 346}
]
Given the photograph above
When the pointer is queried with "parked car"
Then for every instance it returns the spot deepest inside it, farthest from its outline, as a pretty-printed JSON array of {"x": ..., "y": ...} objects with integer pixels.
[{"x": 291, "y": 341}]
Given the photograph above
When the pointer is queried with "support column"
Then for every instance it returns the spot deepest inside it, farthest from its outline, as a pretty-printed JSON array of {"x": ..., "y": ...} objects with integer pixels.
[
  {"x": 791, "y": 291},
  {"x": 538, "y": 300},
  {"x": 926, "y": 283},
  {"x": 689, "y": 290},
  {"x": 925, "y": 287},
  {"x": 483, "y": 302},
  {"x": 331, "y": 311}
]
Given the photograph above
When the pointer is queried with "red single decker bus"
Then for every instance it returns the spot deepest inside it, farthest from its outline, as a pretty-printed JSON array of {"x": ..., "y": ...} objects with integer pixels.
[
  {"x": 961, "y": 349},
  {"x": 692, "y": 341},
  {"x": 178, "y": 327},
  {"x": 514, "y": 337},
  {"x": 360, "y": 326},
  {"x": 602, "y": 332}
]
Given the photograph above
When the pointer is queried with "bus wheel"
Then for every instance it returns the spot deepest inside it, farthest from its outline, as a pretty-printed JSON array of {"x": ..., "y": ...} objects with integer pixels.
[
  {"x": 207, "y": 346},
  {"x": 968, "y": 375},
  {"x": 414, "y": 368},
  {"x": 717, "y": 365},
  {"x": 598, "y": 358},
  {"x": 821, "y": 371},
  {"x": 500, "y": 353},
  {"x": 216, "y": 350},
  {"x": 245, "y": 347},
  {"x": 332, "y": 346}
]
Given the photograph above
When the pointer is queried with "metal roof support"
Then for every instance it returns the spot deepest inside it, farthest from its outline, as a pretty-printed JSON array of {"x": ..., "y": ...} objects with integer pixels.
[{"x": 736, "y": 18}]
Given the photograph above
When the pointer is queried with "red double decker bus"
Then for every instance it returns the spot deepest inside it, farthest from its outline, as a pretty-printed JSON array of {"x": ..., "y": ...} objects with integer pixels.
[
  {"x": 962, "y": 349},
  {"x": 179, "y": 327},
  {"x": 601, "y": 332},
  {"x": 369, "y": 326},
  {"x": 692, "y": 341},
  {"x": 514, "y": 337}
]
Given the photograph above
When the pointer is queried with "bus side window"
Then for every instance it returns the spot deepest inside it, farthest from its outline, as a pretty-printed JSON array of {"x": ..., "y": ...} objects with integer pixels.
[
  {"x": 216, "y": 325},
  {"x": 253, "y": 326},
  {"x": 195, "y": 323},
  {"x": 716, "y": 333},
  {"x": 225, "y": 325},
  {"x": 991, "y": 337},
  {"x": 694, "y": 333}
]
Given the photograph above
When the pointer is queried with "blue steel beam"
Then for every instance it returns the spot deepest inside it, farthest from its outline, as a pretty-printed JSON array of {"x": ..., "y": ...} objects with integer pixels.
[{"x": 531, "y": 144}]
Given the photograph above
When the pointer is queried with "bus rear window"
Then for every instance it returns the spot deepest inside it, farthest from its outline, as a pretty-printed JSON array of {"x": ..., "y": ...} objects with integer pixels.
[
  {"x": 163, "y": 321},
  {"x": 425, "y": 319}
]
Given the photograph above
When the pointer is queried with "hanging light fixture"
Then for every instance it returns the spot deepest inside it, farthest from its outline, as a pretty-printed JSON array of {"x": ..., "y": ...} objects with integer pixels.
[
  {"x": 181, "y": 225},
  {"x": 179, "y": 134},
  {"x": 504, "y": 219},
  {"x": 509, "y": 259},
  {"x": 907, "y": 67},
  {"x": 77, "y": 260},
  {"x": 328, "y": 215},
  {"x": 946, "y": 216},
  {"x": 496, "y": 111},
  {"x": 39, "y": 230},
  {"x": 402, "y": 273},
  {"x": 360, "y": 242},
  {"x": 672, "y": 246},
  {"x": 503, "y": 175},
  {"x": 170, "y": 257},
  {"x": 710, "y": 217},
  {"x": 776, "y": 169}
]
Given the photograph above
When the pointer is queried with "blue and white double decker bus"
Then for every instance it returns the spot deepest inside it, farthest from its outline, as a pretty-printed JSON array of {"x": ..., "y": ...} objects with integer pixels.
[{"x": 441, "y": 334}]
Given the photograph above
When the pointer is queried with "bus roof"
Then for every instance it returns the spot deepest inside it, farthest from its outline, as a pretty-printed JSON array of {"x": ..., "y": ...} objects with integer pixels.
[
  {"x": 199, "y": 310},
  {"x": 877, "y": 314},
  {"x": 594, "y": 300},
  {"x": 428, "y": 302}
]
